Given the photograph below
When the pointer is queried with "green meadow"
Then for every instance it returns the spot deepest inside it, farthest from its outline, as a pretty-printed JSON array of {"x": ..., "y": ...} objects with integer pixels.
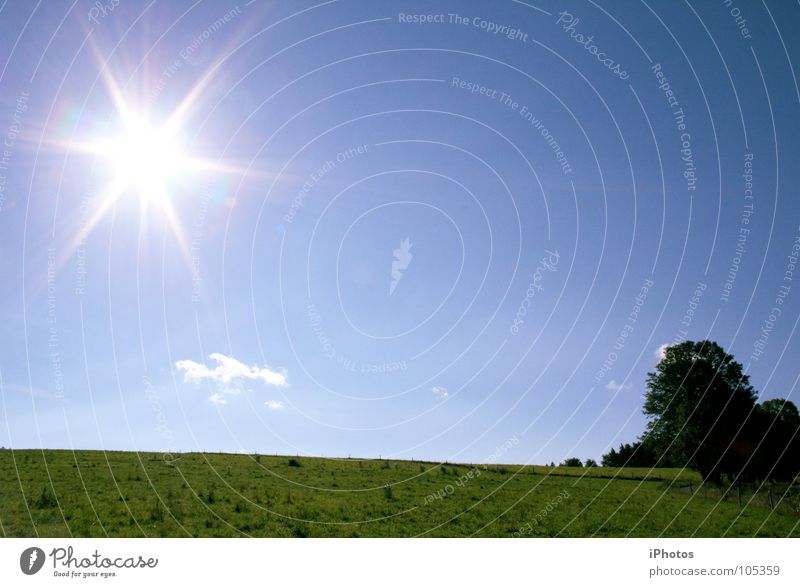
[{"x": 60, "y": 493}]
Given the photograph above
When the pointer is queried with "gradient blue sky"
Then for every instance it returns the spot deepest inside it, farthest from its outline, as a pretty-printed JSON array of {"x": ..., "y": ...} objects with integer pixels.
[{"x": 342, "y": 131}]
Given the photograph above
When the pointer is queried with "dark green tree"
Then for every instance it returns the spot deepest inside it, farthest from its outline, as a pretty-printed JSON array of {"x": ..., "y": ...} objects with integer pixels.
[
  {"x": 775, "y": 436},
  {"x": 638, "y": 454},
  {"x": 782, "y": 411},
  {"x": 698, "y": 402},
  {"x": 571, "y": 462}
]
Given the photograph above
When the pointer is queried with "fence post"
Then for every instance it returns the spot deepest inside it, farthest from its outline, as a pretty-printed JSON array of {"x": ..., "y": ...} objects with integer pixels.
[{"x": 771, "y": 505}]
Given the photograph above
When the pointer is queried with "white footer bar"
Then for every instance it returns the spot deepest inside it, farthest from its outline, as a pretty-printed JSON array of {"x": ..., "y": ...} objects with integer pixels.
[{"x": 390, "y": 562}]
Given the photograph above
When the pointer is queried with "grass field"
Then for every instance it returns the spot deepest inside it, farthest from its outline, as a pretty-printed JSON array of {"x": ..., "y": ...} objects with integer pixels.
[{"x": 55, "y": 493}]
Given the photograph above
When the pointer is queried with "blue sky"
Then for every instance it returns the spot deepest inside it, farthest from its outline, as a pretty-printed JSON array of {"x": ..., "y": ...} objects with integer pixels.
[{"x": 379, "y": 236}]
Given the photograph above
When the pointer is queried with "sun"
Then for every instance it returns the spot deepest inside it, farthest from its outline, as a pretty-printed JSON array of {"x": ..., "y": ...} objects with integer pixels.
[{"x": 146, "y": 159}]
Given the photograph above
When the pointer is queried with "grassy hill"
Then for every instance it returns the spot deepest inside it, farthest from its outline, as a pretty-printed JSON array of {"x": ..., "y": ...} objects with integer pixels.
[{"x": 55, "y": 493}]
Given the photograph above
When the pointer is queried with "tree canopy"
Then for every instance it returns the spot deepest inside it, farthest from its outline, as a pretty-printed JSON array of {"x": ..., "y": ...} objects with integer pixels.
[
  {"x": 703, "y": 413},
  {"x": 698, "y": 402}
]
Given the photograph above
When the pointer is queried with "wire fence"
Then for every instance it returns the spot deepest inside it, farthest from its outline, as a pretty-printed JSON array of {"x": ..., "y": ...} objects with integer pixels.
[{"x": 779, "y": 497}]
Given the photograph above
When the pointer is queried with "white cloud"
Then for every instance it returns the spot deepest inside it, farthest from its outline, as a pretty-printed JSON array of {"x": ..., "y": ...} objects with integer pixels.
[
  {"x": 217, "y": 399},
  {"x": 440, "y": 392},
  {"x": 661, "y": 352},
  {"x": 273, "y": 405},
  {"x": 229, "y": 370},
  {"x": 614, "y": 386}
]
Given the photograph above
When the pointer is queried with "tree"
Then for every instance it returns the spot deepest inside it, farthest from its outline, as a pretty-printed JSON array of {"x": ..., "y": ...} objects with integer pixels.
[
  {"x": 775, "y": 435},
  {"x": 638, "y": 454},
  {"x": 590, "y": 463},
  {"x": 611, "y": 459},
  {"x": 698, "y": 402},
  {"x": 781, "y": 410},
  {"x": 571, "y": 462}
]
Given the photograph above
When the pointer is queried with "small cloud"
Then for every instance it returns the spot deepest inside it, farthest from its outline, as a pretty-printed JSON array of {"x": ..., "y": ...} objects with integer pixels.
[
  {"x": 273, "y": 405},
  {"x": 661, "y": 352},
  {"x": 614, "y": 386},
  {"x": 440, "y": 392},
  {"x": 217, "y": 399},
  {"x": 229, "y": 370}
]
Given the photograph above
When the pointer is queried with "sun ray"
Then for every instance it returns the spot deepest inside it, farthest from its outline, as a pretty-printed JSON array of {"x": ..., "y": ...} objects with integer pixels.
[
  {"x": 177, "y": 230},
  {"x": 107, "y": 200},
  {"x": 175, "y": 121},
  {"x": 111, "y": 85}
]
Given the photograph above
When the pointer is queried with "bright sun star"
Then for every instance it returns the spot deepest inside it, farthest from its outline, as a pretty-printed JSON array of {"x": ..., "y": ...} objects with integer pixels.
[{"x": 146, "y": 159}]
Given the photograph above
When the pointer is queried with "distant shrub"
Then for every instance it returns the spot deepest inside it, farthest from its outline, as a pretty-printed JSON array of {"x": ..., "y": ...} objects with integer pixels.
[
  {"x": 387, "y": 491},
  {"x": 157, "y": 512},
  {"x": 386, "y": 464},
  {"x": 46, "y": 500},
  {"x": 210, "y": 498},
  {"x": 300, "y": 531},
  {"x": 571, "y": 462},
  {"x": 295, "y": 463}
]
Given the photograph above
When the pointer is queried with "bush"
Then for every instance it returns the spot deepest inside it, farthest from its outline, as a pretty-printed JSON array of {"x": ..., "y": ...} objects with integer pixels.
[
  {"x": 157, "y": 512},
  {"x": 294, "y": 463},
  {"x": 45, "y": 500}
]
